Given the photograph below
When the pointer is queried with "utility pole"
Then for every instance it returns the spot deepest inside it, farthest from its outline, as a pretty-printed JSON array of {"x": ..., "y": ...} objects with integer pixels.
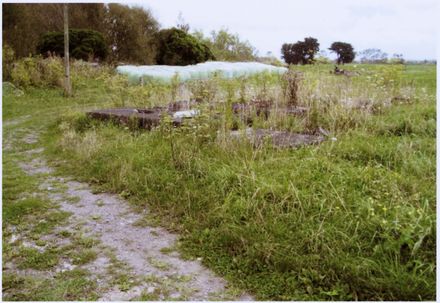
[{"x": 67, "y": 84}]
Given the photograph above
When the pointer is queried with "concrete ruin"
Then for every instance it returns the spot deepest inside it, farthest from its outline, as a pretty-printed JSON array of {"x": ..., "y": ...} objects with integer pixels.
[{"x": 146, "y": 118}]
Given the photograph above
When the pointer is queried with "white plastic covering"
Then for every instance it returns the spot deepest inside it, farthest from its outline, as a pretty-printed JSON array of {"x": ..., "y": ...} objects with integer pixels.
[
  {"x": 198, "y": 71},
  {"x": 186, "y": 114}
]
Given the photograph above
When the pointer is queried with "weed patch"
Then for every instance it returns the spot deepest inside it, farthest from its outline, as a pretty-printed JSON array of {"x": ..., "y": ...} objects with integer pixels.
[{"x": 67, "y": 286}]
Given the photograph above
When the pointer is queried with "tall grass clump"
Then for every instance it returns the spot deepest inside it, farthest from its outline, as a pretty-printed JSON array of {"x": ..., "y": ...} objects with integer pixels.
[{"x": 291, "y": 85}]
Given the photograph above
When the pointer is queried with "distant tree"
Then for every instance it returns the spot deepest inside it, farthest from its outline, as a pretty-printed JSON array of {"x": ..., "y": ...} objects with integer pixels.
[
  {"x": 292, "y": 53},
  {"x": 175, "y": 47},
  {"x": 344, "y": 51},
  {"x": 227, "y": 47},
  {"x": 397, "y": 59},
  {"x": 301, "y": 52},
  {"x": 311, "y": 48},
  {"x": 83, "y": 44},
  {"x": 131, "y": 32},
  {"x": 373, "y": 55}
]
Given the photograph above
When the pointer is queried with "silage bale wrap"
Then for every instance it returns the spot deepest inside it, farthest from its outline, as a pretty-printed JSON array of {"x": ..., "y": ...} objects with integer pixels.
[{"x": 199, "y": 71}]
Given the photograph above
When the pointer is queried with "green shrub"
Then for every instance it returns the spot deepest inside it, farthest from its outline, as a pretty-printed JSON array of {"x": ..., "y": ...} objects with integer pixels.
[
  {"x": 52, "y": 71},
  {"x": 38, "y": 72},
  {"x": 24, "y": 73},
  {"x": 175, "y": 47},
  {"x": 83, "y": 44}
]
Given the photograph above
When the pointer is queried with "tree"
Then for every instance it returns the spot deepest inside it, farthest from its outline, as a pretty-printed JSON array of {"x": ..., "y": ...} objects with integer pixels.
[
  {"x": 227, "y": 47},
  {"x": 292, "y": 53},
  {"x": 344, "y": 51},
  {"x": 175, "y": 47},
  {"x": 373, "y": 55},
  {"x": 130, "y": 32},
  {"x": 83, "y": 44},
  {"x": 397, "y": 59},
  {"x": 302, "y": 52}
]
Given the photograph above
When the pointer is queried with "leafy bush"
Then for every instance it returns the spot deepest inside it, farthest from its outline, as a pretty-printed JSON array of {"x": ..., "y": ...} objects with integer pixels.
[
  {"x": 83, "y": 44},
  {"x": 38, "y": 72},
  {"x": 24, "y": 73},
  {"x": 175, "y": 47},
  {"x": 52, "y": 71}
]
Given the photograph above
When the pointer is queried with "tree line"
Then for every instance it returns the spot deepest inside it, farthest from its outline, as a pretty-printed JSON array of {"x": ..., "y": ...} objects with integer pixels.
[
  {"x": 128, "y": 34},
  {"x": 304, "y": 52},
  {"x": 122, "y": 34}
]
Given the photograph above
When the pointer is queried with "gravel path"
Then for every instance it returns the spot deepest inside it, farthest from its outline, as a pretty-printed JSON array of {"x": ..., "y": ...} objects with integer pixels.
[{"x": 147, "y": 252}]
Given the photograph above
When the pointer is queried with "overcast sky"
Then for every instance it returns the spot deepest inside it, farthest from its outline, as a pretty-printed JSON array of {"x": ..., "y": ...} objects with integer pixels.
[{"x": 407, "y": 27}]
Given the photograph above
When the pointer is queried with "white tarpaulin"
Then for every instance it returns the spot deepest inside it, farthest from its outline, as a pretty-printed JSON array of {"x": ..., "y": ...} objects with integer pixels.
[{"x": 198, "y": 71}]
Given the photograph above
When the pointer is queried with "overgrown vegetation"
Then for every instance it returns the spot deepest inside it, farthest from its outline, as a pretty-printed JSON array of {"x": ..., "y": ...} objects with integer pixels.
[
  {"x": 49, "y": 72},
  {"x": 351, "y": 219}
]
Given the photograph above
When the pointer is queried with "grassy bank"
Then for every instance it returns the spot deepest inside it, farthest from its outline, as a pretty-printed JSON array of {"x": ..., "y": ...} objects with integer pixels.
[{"x": 347, "y": 219}]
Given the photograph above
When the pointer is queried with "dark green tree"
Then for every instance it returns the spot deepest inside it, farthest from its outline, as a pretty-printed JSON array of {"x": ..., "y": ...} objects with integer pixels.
[
  {"x": 301, "y": 52},
  {"x": 83, "y": 44},
  {"x": 175, "y": 47},
  {"x": 344, "y": 51}
]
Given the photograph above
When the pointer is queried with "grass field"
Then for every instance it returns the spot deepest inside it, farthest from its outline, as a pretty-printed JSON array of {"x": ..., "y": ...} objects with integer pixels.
[{"x": 349, "y": 219}]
